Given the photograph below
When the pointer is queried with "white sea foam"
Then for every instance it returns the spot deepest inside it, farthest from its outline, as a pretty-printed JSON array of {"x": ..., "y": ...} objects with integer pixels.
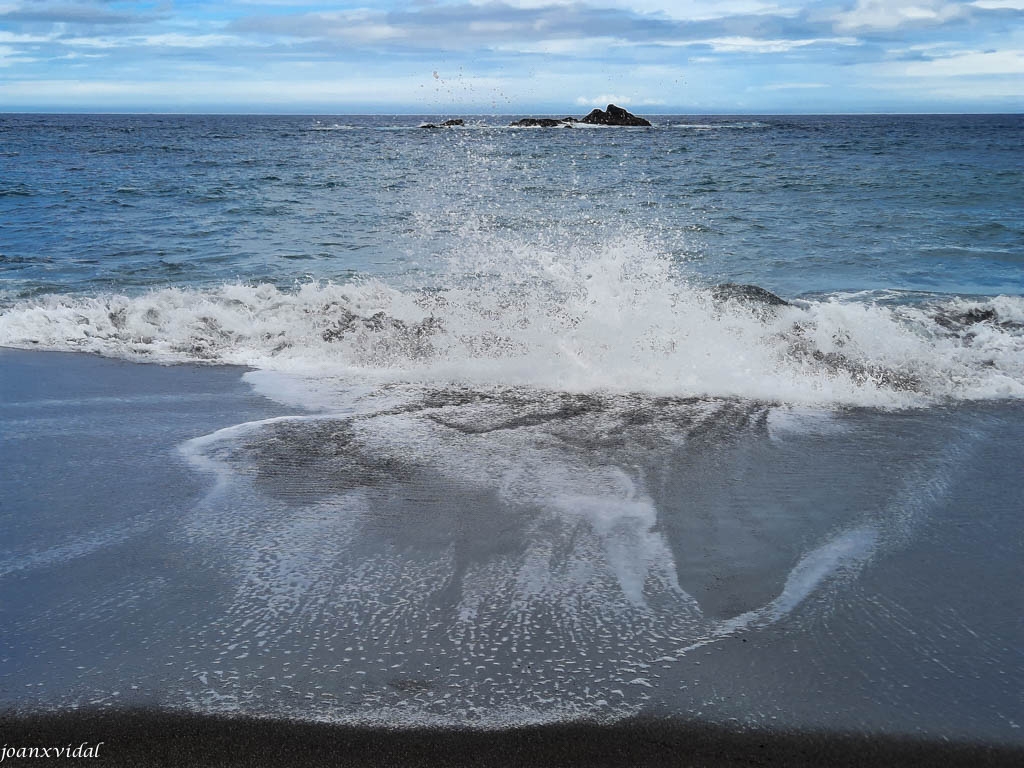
[
  {"x": 319, "y": 126},
  {"x": 366, "y": 529},
  {"x": 477, "y": 557},
  {"x": 615, "y": 316}
]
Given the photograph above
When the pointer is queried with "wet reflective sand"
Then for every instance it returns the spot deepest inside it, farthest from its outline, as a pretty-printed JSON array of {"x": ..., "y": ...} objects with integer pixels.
[{"x": 502, "y": 558}]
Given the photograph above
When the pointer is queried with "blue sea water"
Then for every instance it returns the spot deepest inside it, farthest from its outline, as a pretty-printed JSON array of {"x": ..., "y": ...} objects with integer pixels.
[
  {"x": 795, "y": 204},
  {"x": 247, "y": 239},
  {"x": 509, "y": 444}
]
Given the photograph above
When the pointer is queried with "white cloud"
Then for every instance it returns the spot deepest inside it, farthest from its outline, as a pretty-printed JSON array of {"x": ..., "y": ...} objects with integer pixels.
[
  {"x": 656, "y": 72},
  {"x": 497, "y": 27},
  {"x": 359, "y": 27},
  {"x": 524, "y": 4},
  {"x": 9, "y": 56},
  {"x": 67, "y": 12},
  {"x": 563, "y": 46},
  {"x": 794, "y": 86},
  {"x": 177, "y": 40},
  {"x": 602, "y": 100},
  {"x": 351, "y": 26},
  {"x": 11, "y": 37},
  {"x": 680, "y": 10},
  {"x": 967, "y": 78},
  {"x": 162, "y": 40},
  {"x": 1003, "y": 89},
  {"x": 754, "y": 45},
  {"x": 204, "y": 91},
  {"x": 885, "y": 15},
  {"x": 93, "y": 42},
  {"x": 595, "y": 46},
  {"x": 226, "y": 91},
  {"x": 998, "y": 5},
  {"x": 617, "y": 51},
  {"x": 293, "y": 3},
  {"x": 970, "y": 63},
  {"x": 531, "y": 28}
]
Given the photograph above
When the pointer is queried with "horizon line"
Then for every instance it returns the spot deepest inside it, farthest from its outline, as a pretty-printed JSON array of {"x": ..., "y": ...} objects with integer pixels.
[{"x": 239, "y": 113}]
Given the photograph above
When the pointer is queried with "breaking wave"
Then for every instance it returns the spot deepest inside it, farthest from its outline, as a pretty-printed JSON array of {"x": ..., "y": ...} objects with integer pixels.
[{"x": 616, "y": 316}]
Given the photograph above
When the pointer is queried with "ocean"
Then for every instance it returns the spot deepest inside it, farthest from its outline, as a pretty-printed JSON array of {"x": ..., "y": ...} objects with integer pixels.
[{"x": 345, "y": 420}]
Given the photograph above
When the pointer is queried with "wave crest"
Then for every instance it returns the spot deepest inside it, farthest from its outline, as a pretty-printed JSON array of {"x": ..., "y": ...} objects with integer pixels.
[{"x": 616, "y": 316}]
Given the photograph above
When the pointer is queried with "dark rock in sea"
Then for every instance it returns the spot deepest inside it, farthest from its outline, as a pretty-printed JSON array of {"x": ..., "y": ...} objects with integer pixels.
[
  {"x": 956, "y": 321},
  {"x": 455, "y": 121},
  {"x": 539, "y": 122},
  {"x": 747, "y": 294},
  {"x": 613, "y": 116}
]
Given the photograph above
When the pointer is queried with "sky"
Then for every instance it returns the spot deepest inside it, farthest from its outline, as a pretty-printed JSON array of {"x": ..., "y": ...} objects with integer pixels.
[{"x": 512, "y": 56}]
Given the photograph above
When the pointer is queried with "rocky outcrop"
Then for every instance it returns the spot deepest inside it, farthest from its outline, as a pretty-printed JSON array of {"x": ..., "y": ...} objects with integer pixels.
[
  {"x": 612, "y": 116},
  {"x": 747, "y": 294},
  {"x": 456, "y": 121},
  {"x": 540, "y": 122},
  {"x": 953, "y": 320}
]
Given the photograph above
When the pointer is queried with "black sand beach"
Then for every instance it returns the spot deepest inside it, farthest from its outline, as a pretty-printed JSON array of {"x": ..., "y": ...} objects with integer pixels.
[
  {"x": 189, "y": 614},
  {"x": 150, "y": 738}
]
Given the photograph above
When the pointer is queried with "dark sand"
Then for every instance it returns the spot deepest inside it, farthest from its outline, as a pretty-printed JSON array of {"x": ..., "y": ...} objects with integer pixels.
[
  {"x": 119, "y": 598},
  {"x": 149, "y": 738}
]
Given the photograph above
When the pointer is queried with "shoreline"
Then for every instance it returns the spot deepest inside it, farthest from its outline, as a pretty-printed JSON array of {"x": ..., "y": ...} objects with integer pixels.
[{"x": 147, "y": 737}]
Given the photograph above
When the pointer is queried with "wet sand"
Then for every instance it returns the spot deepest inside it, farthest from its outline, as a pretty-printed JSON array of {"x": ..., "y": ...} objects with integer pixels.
[
  {"x": 135, "y": 583},
  {"x": 152, "y": 738}
]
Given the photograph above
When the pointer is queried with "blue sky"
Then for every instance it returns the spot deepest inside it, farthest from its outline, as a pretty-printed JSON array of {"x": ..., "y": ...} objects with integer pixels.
[{"x": 512, "y": 56}]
